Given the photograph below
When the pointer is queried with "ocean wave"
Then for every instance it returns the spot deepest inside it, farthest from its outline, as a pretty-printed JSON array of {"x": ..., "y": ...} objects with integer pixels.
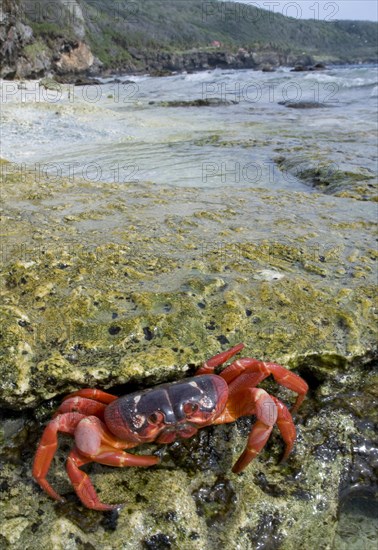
[{"x": 342, "y": 82}]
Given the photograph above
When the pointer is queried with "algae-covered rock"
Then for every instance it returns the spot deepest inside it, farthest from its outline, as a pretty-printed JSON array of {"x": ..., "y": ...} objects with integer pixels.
[
  {"x": 330, "y": 176},
  {"x": 191, "y": 499},
  {"x": 71, "y": 327},
  {"x": 139, "y": 288},
  {"x": 302, "y": 104}
]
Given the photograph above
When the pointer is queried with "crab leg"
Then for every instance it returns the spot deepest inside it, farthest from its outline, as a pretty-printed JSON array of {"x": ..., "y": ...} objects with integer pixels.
[
  {"x": 88, "y": 401},
  {"x": 286, "y": 426},
  {"x": 269, "y": 411},
  {"x": 247, "y": 402},
  {"x": 111, "y": 457},
  {"x": 92, "y": 393},
  {"x": 261, "y": 431},
  {"x": 255, "y": 401},
  {"x": 82, "y": 484},
  {"x": 47, "y": 447},
  {"x": 85, "y": 406},
  {"x": 260, "y": 370},
  {"x": 95, "y": 444},
  {"x": 217, "y": 360},
  {"x": 256, "y": 442}
]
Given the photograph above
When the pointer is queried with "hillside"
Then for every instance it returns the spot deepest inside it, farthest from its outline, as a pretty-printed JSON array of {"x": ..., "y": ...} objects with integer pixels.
[
  {"x": 68, "y": 36},
  {"x": 180, "y": 24}
]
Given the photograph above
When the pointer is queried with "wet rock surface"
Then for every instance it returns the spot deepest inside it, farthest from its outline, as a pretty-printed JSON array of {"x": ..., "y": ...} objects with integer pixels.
[
  {"x": 334, "y": 177},
  {"x": 302, "y": 104},
  {"x": 138, "y": 287},
  {"x": 213, "y": 101}
]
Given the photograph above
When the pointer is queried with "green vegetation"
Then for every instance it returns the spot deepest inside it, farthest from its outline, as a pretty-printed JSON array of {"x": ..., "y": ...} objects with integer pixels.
[
  {"x": 173, "y": 25},
  {"x": 33, "y": 51},
  {"x": 51, "y": 20},
  {"x": 122, "y": 33},
  {"x": 46, "y": 29}
]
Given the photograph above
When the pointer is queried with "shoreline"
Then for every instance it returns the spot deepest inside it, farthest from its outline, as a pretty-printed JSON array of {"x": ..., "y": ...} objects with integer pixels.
[
  {"x": 89, "y": 77},
  {"x": 86, "y": 77},
  {"x": 108, "y": 76}
]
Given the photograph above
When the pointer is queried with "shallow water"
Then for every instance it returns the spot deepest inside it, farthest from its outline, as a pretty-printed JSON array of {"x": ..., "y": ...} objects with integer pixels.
[{"x": 119, "y": 131}]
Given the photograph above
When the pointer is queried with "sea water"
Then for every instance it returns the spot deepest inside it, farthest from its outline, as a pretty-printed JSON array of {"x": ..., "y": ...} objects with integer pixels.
[{"x": 127, "y": 130}]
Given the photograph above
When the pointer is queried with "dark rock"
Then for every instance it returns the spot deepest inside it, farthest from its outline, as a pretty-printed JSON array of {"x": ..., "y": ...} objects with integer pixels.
[
  {"x": 161, "y": 72},
  {"x": 120, "y": 81},
  {"x": 215, "y": 501},
  {"x": 211, "y": 101},
  {"x": 164, "y": 63},
  {"x": 77, "y": 80},
  {"x": 159, "y": 541},
  {"x": 298, "y": 69},
  {"x": 303, "y": 104},
  {"x": 304, "y": 60}
]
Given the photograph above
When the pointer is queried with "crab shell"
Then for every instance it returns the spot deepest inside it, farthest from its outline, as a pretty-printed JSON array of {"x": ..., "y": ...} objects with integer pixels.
[{"x": 168, "y": 411}]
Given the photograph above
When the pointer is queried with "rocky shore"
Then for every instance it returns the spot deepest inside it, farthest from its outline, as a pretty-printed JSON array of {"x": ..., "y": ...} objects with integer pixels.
[{"x": 173, "y": 279}]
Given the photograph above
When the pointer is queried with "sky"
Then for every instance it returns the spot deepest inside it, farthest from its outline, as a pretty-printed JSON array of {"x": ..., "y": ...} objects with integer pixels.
[{"x": 325, "y": 10}]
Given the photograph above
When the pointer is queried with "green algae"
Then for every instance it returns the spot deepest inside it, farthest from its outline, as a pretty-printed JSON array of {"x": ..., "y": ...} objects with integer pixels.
[
  {"x": 50, "y": 84},
  {"x": 216, "y": 141},
  {"x": 327, "y": 174},
  {"x": 132, "y": 334},
  {"x": 105, "y": 302}
]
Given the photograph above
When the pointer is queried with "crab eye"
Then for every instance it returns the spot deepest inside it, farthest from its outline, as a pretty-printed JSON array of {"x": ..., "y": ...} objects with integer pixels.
[
  {"x": 155, "y": 418},
  {"x": 190, "y": 408}
]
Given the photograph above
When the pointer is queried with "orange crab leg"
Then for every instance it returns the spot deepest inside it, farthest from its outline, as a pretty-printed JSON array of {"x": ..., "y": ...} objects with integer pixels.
[
  {"x": 286, "y": 426},
  {"x": 246, "y": 402},
  {"x": 82, "y": 405},
  {"x": 82, "y": 484},
  {"x": 47, "y": 447},
  {"x": 256, "y": 441},
  {"x": 260, "y": 370},
  {"x": 217, "y": 360},
  {"x": 93, "y": 393},
  {"x": 289, "y": 380},
  {"x": 269, "y": 411},
  {"x": 260, "y": 434},
  {"x": 109, "y": 456},
  {"x": 95, "y": 444}
]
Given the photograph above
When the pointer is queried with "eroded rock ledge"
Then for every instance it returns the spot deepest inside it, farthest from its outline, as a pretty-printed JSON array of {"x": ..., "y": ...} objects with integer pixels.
[{"x": 174, "y": 278}]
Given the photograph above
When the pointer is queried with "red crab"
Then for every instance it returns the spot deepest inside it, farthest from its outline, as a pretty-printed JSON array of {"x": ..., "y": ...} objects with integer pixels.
[{"x": 103, "y": 425}]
